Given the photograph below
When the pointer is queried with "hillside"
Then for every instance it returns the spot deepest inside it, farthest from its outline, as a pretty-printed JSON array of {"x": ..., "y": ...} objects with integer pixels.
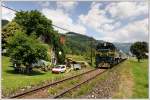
[{"x": 80, "y": 44}]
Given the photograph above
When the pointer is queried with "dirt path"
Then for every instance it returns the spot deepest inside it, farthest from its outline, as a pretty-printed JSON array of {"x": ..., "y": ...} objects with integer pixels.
[
  {"x": 126, "y": 83},
  {"x": 117, "y": 84}
]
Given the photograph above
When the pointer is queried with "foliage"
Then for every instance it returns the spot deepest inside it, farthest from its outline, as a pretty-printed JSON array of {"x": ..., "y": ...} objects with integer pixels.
[
  {"x": 33, "y": 22},
  {"x": 8, "y": 31},
  {"x": 139, "y": 49},
  {"x": 36, "y": 23},
  {"x": 79, "y": 44},
  {"x": 58, "y": 47},
  {"x": 26, "y": 50}
]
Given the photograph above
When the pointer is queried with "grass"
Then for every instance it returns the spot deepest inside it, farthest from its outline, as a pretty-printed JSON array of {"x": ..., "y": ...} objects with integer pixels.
[
  {"x": 12, "y": 82},
  {"x": 126, "y": 81},
  {"x": 134, "y": 80},
  {"x": 133, "y": 84},
  {"x": 56, "y": 89},
  {"x": 140, "y": 77},
  {"x": 82, "y": 58},
  {"x": 87, "y": 87},
  {"x": 77, "y": 57}
]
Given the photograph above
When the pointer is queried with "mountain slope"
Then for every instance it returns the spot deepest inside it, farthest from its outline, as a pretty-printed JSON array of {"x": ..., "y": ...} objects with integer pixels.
[
  {"x": 78, "y": 43},
  {"x": 81, "y": 44}
]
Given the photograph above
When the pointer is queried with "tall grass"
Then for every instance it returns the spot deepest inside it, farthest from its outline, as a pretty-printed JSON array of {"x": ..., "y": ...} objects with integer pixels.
[{"x": 140, "y": 76}]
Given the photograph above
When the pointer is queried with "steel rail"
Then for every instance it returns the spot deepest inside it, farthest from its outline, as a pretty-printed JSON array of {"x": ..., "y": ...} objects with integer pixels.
[
  {"x": 56, "y": 82},
  {"x": 75, "y": 86},
  {"x": 48, "y": 85}
]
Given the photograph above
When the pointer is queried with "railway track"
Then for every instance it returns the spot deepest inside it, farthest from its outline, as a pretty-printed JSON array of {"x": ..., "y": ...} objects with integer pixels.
[
  {"x": 81, "y": 83},
  {"x": 48, "y": 85},
  {"x": 36, "y": 92},
  {"x": 76, "y": 86}
]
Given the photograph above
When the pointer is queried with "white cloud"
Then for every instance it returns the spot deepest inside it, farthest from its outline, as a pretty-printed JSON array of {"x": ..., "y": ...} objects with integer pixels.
[
  {"x": 7, "y": 14},
  {"x": 67, "y": 6},
  {"x": 127, "y": 9},
  {"x": 112, "y": 28},
  {"x": 107, "y": 27},
  {"x": 96, "y": 17},
  {"x": 44, "y": 3},
  {"x": 136, "y": 31},
  {"x": 63, "y": 20},
  {"x": 96, "y": 5}
]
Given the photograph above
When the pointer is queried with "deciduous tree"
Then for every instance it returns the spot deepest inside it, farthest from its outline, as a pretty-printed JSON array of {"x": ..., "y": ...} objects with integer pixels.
[
  {"x": 139, "y": 49},
  {"x": 26, "y": 50},
  {"x": 8, "y": 31},
  {"x": 35, "y": 23}
]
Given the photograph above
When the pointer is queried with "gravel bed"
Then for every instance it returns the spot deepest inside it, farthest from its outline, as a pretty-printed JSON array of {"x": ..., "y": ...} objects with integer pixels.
[{"x": 105, "y": 88}]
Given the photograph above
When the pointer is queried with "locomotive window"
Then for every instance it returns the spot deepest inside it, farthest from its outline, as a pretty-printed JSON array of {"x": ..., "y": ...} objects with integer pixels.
[{"x": 104, "y": 44}]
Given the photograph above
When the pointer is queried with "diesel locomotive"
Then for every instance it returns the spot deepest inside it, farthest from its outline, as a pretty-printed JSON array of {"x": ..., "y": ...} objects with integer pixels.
[{"x": 107, "y": 55}]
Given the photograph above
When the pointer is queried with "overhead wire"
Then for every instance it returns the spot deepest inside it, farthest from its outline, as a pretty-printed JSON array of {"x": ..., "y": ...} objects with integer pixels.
[{"x": 52, "y": 24}]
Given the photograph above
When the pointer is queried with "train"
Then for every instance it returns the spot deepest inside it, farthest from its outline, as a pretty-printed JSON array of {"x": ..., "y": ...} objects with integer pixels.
[{"x": 107, "y": 55}]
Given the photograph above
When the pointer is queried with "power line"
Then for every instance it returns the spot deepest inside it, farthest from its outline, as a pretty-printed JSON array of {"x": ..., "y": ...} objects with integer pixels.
[
  {"x": 9, "y": 8},
  {"x": 62, "y": 28},
  {"x": 52, "y": 24}
]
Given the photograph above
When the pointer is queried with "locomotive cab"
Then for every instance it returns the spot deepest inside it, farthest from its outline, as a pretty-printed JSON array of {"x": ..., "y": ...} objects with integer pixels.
[{"x": 105, "y": 53}]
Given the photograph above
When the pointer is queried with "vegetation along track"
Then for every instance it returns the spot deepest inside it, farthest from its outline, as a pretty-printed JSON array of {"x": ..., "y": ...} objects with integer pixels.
[
  {"x": 99, "y": 71},
  {"x": 60, "y": 86},
  {"x": 21, "y": 95}
]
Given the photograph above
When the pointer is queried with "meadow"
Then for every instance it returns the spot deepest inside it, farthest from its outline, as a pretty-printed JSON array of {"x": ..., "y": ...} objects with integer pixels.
[
  {"x": 134, "y": 79},
  {"x": 13, "y": 82}
]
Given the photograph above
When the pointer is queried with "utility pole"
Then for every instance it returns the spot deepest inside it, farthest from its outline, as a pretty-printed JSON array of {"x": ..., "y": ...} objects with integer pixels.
[{"x": 91, "y": 50}]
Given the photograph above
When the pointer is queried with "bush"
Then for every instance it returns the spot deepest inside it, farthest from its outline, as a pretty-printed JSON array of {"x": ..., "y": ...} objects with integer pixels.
[{"x": 26, "y": 50}]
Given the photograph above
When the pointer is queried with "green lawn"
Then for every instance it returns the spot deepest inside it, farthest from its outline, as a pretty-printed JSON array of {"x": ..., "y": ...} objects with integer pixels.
[
  {"x": 12, "y": 81},
  {"x": 140, "y": 77},
  {"x": 134, "y": 79}
]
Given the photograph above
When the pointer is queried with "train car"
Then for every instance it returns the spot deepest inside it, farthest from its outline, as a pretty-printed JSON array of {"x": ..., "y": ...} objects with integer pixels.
[{"x": 105, "y": 55}]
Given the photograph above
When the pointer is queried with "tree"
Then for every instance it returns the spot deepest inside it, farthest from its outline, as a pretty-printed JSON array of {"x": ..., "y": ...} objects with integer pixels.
[
  {"x": 139, "y": 49},
  {"x": 8, "y": 31},
  {"x": 26, "y": 50},
  {"x": 35, "y": 23},
  {"x": 59, "y": 48}
]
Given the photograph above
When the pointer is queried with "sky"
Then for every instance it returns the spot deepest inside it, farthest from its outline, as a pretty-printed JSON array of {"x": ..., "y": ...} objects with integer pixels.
[{"x": 103, "y": 20}]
